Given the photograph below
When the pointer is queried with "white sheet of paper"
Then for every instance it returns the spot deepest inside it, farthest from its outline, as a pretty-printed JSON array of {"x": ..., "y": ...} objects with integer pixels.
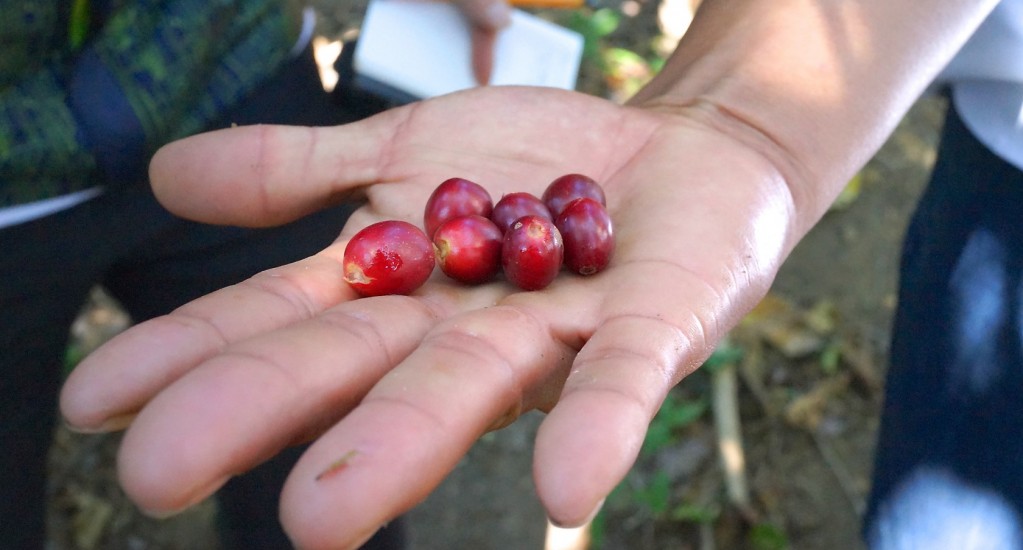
[{"x": 423, "y": 47}]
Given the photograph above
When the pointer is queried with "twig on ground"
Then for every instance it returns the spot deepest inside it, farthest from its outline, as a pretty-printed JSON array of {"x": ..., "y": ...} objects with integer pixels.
[
  {"x": 729, "y": 435},
  {"x": 841, "y": 473},
  {"x": 751, "y": 368},
  {"x": 861, "y": 362},
  {"x": 707, "y": 536},
  {"x": 806, "y": 410}
]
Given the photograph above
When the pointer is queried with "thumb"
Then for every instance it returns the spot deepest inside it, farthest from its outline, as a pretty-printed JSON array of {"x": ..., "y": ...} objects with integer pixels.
[{"x": 264, "y": 175}]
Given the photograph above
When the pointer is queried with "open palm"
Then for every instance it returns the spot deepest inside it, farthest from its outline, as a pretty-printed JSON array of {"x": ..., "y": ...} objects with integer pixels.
[{"x": 395, "y": 389}]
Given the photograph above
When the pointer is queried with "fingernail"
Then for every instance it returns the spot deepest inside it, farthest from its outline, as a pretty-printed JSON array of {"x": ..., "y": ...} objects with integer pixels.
[
  {"x": 357, "y": 542},
  {"x": 199, "y": 495},
  {"x": 589, "y": 517},
  {"x": 112, "y": 424},
  {"x": 364, "y": 539},
  {"x": 498, "y": 14}
]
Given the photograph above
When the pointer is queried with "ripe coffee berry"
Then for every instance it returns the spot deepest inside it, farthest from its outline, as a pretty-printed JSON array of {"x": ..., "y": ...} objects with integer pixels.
[
  {"x": 388, "y": 257},
  {"x": 532, "y": 252},
  {"x": 468, "y": 249},
  {"x": 586, "y": 229},
  {"x": 472, "y": 239},
  {"x": 515, "y": 205},
  {"x": 453, "y": 198},
  {"x": 569, "y": 187}
]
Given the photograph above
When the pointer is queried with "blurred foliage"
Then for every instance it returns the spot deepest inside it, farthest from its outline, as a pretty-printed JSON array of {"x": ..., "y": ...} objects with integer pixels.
[
  {"x": 726, "y": 353},
  {"x": 767, "y": 536},
  {"x": 623, "y": 70},
  {"x": 696, "y": 513},
  {"x": 73, "y": 355},
  {"x": 594, "y": 26},
  {"x": 675, "y": 413},
  {"x": 831, "y": 358},
  {"x": 653, "y": 497},
  {"x": 849, "y": 193}
]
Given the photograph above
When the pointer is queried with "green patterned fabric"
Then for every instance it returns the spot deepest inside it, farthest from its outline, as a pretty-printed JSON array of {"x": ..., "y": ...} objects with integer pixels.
[
  {"x": 41, "y": 155},
  {"x": 177, "y": 65}
]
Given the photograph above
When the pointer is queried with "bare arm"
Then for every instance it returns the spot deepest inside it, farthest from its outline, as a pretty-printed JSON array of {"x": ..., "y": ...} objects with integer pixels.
[
  {"x": 712, "y": 175},
  {"x": 815, "y": 86}
]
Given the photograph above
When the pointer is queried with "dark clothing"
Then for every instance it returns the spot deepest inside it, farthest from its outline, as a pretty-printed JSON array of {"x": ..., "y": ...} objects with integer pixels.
[
  {"x": 949, "y": 464},
  {"x": 152, "y": 262},
  {"x": 90, "y": 88}
]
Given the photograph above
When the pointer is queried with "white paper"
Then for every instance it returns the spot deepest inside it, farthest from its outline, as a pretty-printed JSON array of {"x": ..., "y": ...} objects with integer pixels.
[{"x": 423, "y": 47}]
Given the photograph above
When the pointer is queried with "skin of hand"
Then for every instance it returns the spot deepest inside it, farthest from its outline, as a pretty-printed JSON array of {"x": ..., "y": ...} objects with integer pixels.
[
  {"x": 712, "y": 176},
  {"x": 486, "y": 19}
]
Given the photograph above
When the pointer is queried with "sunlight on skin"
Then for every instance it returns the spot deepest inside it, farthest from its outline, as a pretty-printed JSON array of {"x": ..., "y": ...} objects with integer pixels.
[
  {"x": 411, "y": 413},
  {"x": 712, "y": 185},
  {"x": 832, "y": 51},
  {"x": 146, "y": 475}
]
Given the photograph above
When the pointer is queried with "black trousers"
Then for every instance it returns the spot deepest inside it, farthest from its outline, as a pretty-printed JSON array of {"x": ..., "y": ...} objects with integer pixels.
[
  {"x": 949, "y": 465},
  {"x": 152, "y": 262}
]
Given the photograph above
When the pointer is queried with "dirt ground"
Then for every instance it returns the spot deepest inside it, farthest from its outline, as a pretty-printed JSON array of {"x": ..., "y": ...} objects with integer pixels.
[{"x": 808, "y": 399}]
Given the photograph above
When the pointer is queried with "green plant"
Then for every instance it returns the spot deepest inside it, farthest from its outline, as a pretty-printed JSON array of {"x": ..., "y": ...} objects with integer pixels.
[
  {"x": 72, "y": 356},
  {"x": 767, "y": 536},
  {"x": 675, "y": 413},
  {"x": 655, "y": 494},
  {"x": 652, "y": 495},
  {"x": 831, "y": 357},
  {"x": 726, "y": 353},
  {"x": 695, "y": 513},
  {"x": 594, "y": 26},
  {"x": 623, "y": 70}
]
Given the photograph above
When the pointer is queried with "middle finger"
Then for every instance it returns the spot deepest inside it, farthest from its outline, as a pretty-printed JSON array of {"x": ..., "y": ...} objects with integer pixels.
[
  {"x": 469, "y": 374},
  {"x": 261, "y": 394}
]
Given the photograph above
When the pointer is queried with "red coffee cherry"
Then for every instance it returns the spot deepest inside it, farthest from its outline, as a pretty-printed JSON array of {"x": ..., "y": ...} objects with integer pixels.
[
  {"x": 453, "y": 198},
  {"x": 513, "y": 206},
  {"x": 586, "y": 229},
  {"x": 388, "y": 257},
  {"x": 569, "y": 187},
  {"x": 468, "y": 249},
  {"x": 532, "y": 252}
]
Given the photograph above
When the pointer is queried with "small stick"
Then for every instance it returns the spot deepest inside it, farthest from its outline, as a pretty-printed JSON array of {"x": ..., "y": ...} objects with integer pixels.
[
  {"x": 841, "y": 473},
  {"x": 729, "y": 435},
  {"x": 707, "y": 536}
]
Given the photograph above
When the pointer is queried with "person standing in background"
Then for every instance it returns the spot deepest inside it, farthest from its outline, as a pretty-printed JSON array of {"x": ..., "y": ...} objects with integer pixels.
[
  {"x": 949, "y": 464},
  {"x": 89, "y": 89}
]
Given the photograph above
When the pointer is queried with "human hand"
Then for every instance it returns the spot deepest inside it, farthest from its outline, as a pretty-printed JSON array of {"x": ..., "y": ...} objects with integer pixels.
[
  {"x": 486, "y": 18},
  {"x": 396, "y": 389}
]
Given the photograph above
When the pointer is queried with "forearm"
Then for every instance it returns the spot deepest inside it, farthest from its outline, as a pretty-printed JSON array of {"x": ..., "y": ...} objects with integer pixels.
[{"x": 815, "y": 86}]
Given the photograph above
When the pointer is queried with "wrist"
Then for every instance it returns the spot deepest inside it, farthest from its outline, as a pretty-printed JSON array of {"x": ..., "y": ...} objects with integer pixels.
[{"x": 815, "y": 87}]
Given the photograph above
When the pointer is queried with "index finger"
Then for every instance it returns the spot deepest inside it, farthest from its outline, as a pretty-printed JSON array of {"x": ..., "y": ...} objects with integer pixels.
[
  {"x": 110, "y": 385},
  {"x": 413, "y": 427},
  {"x": 487, "y": 18}
]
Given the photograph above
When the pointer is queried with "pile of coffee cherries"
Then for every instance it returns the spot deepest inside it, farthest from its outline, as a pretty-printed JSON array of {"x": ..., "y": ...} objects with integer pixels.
[{"x": 528, "y": 239}]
